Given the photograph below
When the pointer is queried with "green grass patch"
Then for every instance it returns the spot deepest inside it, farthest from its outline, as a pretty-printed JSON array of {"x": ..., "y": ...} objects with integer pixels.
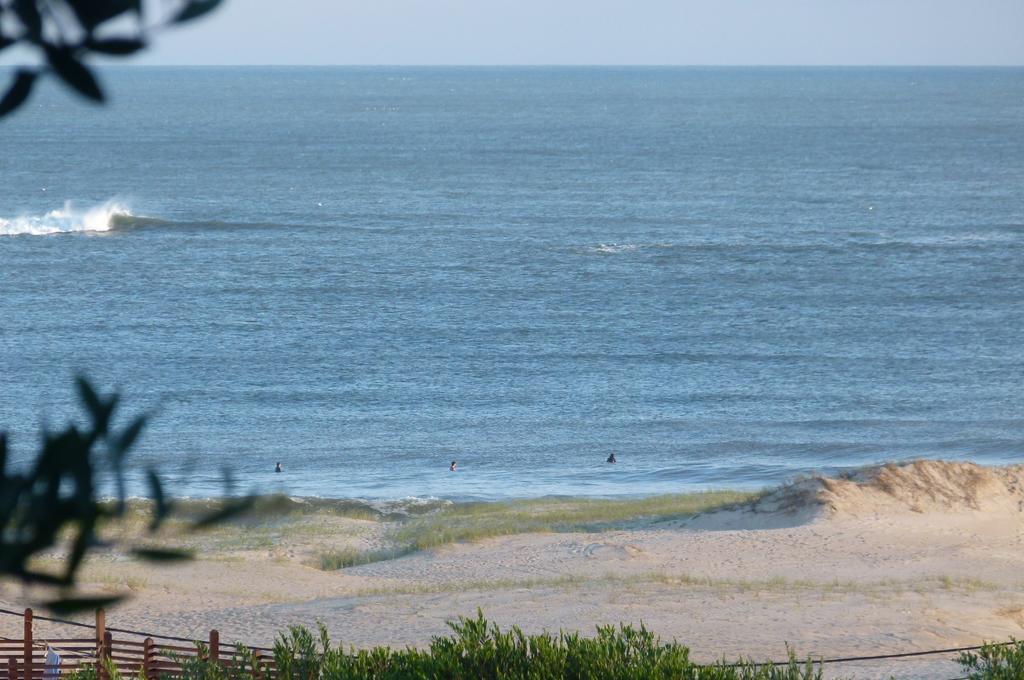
[
  {"x": 278, "y": 519},
  {"x": 776, "y": 585},
  {"x": 464, "y": 522},
  {"x": 476, "y": 521},
  {"x": 351, "y": 557}
]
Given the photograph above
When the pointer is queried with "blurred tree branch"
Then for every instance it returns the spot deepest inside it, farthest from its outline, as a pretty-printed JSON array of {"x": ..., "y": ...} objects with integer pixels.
[
  {"x": 66, "y": 32},
  {"x": 58, "y": 500}
]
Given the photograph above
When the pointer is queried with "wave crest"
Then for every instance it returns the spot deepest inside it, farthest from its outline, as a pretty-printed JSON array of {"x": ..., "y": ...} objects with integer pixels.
[
  {"x": 617, "y": 248},
  {"x": 98, "y": 218}
]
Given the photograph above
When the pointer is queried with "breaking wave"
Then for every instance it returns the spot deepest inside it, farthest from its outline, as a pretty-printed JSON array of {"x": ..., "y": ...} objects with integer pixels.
[{"x": 69, "y": 219}]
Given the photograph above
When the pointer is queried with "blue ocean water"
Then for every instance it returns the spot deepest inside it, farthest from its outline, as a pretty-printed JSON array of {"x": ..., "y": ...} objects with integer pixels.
[{"x": 726, "y": 276}]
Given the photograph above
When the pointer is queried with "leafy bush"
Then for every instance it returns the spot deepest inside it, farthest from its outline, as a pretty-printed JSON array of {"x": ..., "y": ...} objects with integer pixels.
[
  {"x": 87, "y": 672},
  {"x": 995, "y": 662},
  {"x": 239, "y": 666},
  {"x": 477, "y": 649},
  {"x": 91, "y": 672}
]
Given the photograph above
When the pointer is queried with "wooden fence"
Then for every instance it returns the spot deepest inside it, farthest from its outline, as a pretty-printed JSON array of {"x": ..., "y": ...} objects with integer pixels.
[{"x": 26, "y": 658}]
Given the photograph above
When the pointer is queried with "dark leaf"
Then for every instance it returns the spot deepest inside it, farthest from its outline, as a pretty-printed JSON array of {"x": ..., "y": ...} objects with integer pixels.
[
  {"x": 54, "y": 501},
  {"x": 118, "y": 46},
  {"x": 73, "y": 72},
  {"x": 195, "y": 9},
  {"x": 72, "y": 605},
  {"x": 101, "y": 544},
  {"x": 92, "y": 13},
  {"x": 228, "y": 510},
  {"x": 43, "y": 577},
  {"x": 99, "y": 409},
  {"x": 83, "y": 541},
  {"x": 18, "y": 92},
  {"x": 88, "y": 395},
  {"x": 28, "y": 14},
  {"x": 162, "y": 554},
  {"x": 161, "y": 506},
  {"x": 6, "y": 42},
  {"x": 128, "y": 436}
]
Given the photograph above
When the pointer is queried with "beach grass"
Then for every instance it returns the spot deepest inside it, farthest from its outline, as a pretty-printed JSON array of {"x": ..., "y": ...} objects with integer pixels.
[
  {"x": 773, "y": 585},
  {"x": 277, "y": 520},
  {"x": 352, "y": 557},
  {"x": 467, "y": 522},
  {"x": 476, "y": 521}
]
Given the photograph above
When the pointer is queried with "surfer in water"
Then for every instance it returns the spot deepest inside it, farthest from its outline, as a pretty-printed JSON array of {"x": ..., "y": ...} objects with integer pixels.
[
  {"x": 611, "y": 459},
  {"x": 452, "y": 467},
  {"x": 278, "y": 468}
]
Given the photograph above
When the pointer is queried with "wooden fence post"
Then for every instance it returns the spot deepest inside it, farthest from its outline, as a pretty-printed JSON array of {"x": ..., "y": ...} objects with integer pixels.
[
  {"x": 28, "y": 644},
  {"x": 12, "y": 668},
  {"x": 104, "y": 656},
  {"x": 101, "y": 633},
  {"x": 147, "y": 659},
  {"x": 101, "y": 626},
  {"x": 214, "y": 646}
]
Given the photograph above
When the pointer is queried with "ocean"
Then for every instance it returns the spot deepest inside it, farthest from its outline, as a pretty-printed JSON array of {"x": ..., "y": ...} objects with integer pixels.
[{"x": 728, "y": 277}]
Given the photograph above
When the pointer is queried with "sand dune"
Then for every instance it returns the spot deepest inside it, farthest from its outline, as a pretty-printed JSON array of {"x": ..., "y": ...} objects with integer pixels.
[
  {"x": 925, "y": 486},
  {"x": 919, "y": 487}
]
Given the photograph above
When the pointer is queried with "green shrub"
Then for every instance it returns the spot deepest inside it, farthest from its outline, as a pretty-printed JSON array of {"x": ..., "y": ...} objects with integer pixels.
[
  {"x": 478, "y": 650},
  {"x": 995, "y": 662},
  {"x": 239, "y": 666},
  {"x": 90, "y": 672},
  {"x": 85, "y": 672}
]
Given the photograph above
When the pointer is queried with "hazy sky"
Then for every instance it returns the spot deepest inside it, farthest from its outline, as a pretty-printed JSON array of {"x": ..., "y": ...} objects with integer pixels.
[{"x": 601, "y": 32}]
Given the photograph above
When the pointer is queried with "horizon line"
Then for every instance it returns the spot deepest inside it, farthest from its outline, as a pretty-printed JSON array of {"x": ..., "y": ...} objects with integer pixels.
[{"x": 110, "y": 62}]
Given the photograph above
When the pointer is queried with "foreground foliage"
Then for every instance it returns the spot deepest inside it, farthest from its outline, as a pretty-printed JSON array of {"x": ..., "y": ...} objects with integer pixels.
[
  {"x": 66, "y": 32},
  {"x": 995, "y": 662},
  {"x": 479, "y": 650},
  {"x": 58, "y": 500}
]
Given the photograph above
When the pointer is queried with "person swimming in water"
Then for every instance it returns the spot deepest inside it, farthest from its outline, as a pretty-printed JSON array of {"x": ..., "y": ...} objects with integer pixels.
[
  {"x": 611, "y": 459},
  {"x": 452, "y": 466},
  {"x": 278, "y": 468}
]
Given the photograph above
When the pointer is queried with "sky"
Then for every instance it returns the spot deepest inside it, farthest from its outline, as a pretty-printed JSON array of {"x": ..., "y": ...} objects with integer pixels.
[{"x": 684, "y": 32}]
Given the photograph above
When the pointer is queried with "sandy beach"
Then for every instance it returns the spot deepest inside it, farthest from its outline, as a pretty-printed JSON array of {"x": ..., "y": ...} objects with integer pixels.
[{"x": 899, "y": 558}]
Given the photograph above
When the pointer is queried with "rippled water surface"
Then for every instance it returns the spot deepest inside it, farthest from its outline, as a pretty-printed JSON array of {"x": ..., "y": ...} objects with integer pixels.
[{"x": 726, "y": 276}]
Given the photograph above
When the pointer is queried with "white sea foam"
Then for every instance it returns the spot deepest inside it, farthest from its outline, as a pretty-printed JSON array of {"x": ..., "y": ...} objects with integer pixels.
[
  {"x": 612, "y": 248},
  {"x": 68, "y": 219},
  {"x": 616, "y": 248}
]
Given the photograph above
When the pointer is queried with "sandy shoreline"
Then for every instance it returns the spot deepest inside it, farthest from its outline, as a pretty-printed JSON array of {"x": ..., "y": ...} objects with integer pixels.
[{"x": 921, "y": 556}]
